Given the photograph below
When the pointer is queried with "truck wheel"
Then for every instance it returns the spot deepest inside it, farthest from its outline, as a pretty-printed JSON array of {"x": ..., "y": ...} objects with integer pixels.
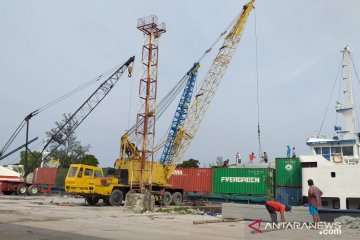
[
  {"x": 106, "y": 201},
  {"x": 22, "y": 189},
  {"x": 166, "y": 198},
  {"x": 33, "y": 190},
  {"x": 176, "y": 198},
  {"x": 116, "y": 198},
  {"x": 92, "y": 200}
]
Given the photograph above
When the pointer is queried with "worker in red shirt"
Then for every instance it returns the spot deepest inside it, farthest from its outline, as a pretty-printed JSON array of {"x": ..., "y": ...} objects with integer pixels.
[
  {"x": 274, "y": 207},
  {"x": 251, "y": 157}
]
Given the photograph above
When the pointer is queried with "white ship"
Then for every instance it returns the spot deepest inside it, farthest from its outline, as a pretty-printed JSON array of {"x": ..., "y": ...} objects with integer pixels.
[{"x": 334, "y": 165}]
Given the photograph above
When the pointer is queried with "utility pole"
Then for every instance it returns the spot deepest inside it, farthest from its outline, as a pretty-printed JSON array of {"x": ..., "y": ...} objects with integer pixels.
[{"x": 27, "y": 119}]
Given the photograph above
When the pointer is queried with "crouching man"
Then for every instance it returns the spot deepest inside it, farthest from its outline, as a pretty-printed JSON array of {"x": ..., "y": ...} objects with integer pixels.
[{"x": 274, "y": 207}]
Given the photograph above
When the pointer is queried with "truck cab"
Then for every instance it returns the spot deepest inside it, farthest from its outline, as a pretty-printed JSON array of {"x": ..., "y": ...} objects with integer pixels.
[{"x": 90, "y": 182}]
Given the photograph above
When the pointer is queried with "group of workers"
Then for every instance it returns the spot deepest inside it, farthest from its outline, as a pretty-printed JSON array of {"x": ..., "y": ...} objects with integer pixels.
[
  {"x": 289, "y": 153},
  {"x": 264, "y": 158},
  {"x": 314, "y": 200}
]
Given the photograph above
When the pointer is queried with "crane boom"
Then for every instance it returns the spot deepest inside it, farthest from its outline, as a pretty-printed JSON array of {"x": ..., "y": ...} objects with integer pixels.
[
  {"x": 127, "y": 144},
  {"x": 84, "y": 110},
  {"x": 209, "y": 85},
  {"x": 181, "y": 112},
  {"x": 17, "y": 149}
]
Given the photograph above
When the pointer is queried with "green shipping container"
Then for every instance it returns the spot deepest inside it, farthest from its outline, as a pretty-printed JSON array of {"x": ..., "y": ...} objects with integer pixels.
[
  {"x": 288, "y": 172},
  {"x": 244, "y": 181},
  {"x": 61, "y": 175}
]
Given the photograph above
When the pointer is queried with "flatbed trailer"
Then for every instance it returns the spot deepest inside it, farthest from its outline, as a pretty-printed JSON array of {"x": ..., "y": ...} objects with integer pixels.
[{"x": 11, "y": 182}]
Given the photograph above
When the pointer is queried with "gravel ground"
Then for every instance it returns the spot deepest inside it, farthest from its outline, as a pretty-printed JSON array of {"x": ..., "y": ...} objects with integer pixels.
[
  {"x": 349, "y": 222},
  {"x": 55, "y": 217}
]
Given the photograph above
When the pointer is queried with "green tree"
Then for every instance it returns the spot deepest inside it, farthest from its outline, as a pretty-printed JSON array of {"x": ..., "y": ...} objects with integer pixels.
[
  {"x": 219, "y": 162},
  {"x": 191, "y": 163},
  {"x": 31, "y": 158},
  {"x": 90, "y": 160},
  {"x": 70, "y": 150}
]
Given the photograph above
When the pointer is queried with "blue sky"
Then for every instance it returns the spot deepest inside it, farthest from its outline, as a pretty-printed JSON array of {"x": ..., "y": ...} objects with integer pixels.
[{"x": 51, "y": 47}]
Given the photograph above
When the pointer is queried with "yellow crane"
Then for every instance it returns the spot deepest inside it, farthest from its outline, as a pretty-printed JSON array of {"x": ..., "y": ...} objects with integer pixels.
[{"x": 209, "y": 86}]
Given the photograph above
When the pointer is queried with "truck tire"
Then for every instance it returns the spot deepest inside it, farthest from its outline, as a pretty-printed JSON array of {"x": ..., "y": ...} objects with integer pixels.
[
  {"x": 33, "y": 190},
  {"x": 166, "y": 198},
  {"x": 116, "y": 198},
  {"x": 176, "y": 198},
  {"x": 22, "y": 189},
  {"x": 92, "y": 200}
]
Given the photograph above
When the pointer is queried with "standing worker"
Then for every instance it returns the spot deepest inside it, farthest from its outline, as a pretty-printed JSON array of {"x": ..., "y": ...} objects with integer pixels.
[
  {"x": 293, "y": 153},
  {"x": 265, "y": 157},
  {"x": 238, "y": 158},
  {"x": 314, "y": 199},
  {"x": 274, "y": 207},
  {"x": 251, "y": 157},
  {"x": 288, "y": 151}
]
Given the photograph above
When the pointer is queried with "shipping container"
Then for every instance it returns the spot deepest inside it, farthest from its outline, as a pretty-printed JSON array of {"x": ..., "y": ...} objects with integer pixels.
[
  {"x": 288, "y": 172},
  {"x": 197, "y": 180},
  {"x": 44, "y": 176},
  {"x": 60, "y": 176},
  {"x": 289, "y": 195},
  {"x": 244, "y": 181}
]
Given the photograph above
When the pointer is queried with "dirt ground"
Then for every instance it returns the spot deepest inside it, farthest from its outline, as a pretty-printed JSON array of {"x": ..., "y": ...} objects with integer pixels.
[{"x": 57, "y": 217}]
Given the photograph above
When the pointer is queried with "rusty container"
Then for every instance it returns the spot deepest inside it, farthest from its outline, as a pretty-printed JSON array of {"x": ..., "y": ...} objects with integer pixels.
[
  {"x": 197, "y": 180},
  {"x": 44, "y": 176}
]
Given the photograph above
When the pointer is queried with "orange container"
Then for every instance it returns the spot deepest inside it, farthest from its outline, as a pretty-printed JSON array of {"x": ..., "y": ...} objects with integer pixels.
[{"x": 197, "y": 180}]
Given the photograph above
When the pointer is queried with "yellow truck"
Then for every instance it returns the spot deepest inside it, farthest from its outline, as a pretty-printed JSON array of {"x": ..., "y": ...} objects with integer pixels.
[{"x": 90, "y": 182}]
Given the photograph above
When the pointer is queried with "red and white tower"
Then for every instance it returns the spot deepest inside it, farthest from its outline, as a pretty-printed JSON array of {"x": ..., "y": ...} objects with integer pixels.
[{"x": 145, "y": 120}]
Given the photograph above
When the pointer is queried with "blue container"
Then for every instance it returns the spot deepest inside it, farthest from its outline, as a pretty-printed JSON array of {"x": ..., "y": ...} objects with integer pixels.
[{"x": 289, "y": 195}]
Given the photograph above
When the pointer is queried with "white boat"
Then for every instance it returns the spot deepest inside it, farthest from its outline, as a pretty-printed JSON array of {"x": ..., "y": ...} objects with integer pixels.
[{"x": 334, "y": 165}]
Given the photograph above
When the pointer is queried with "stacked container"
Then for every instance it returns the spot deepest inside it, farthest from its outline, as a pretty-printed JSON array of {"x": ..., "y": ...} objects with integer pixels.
[
  {"x": 244, "y": 181},
  {"x": 192, "y": 180},
  {"x": 288, "y": 181}
]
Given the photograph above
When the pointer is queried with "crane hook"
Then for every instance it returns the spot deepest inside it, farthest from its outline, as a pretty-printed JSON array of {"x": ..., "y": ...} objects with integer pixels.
[{"x": 130, "y": 71}]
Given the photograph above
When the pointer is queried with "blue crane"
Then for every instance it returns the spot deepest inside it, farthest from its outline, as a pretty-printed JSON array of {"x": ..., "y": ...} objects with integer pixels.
[{"x": 180, "y": 114}]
